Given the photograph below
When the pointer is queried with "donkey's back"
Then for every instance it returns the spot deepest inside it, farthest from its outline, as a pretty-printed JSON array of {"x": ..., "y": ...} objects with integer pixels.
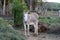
[{"x": 33, "y": 17}]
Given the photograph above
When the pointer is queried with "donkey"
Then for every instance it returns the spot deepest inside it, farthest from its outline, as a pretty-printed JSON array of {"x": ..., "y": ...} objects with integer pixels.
[{"x": 31, "y": 18}]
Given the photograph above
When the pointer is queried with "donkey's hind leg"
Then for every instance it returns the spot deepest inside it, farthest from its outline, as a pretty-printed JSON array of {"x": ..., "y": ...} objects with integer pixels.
[{"x": 36, "y": 30}]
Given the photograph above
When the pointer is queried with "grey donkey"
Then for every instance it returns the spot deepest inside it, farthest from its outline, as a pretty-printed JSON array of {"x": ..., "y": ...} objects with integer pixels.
[{"x": 30, "y": 18}]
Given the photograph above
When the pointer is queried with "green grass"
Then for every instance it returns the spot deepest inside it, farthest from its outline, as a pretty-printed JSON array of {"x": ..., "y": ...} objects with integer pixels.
[
  {"x": 7, "y": 32},
  {"x": 52, "y": 23},
  {"x": 11, "y": 22},
  {"x": 49, "y": 20}
]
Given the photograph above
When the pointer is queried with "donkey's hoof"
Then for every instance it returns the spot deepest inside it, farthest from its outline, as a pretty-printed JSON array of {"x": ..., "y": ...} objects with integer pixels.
[
  {"x": 35, "y": 35},
  {"x": 27, "y": 35}
]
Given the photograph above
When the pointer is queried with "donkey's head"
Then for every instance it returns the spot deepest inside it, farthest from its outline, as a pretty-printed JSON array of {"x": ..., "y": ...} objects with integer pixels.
[{"x": 33, "y": 12}]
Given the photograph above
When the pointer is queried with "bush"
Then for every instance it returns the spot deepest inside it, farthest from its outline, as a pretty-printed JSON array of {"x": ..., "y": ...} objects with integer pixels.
[
  {"x": 8, "y": 33},
  {"x": 51, "y": 21},
  {"x": 11, "y": 22},
  {"x": 17, "y": 9}
]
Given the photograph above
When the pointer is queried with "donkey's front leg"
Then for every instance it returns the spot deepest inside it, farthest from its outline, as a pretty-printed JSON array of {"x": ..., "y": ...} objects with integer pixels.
[
  {"x": 28, "y": 30},
  {"x": 25, "y": 29}
]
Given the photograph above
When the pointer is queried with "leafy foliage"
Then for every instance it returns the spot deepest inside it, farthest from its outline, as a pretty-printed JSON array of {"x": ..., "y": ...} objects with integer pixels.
[
  {"x": 8, "y": 33},
  {"x": 52, "y": 23},
  {"x": 52, "y": 5},
  {"x": 17, "y": 9},
  {"x": 49, "y": 20}
]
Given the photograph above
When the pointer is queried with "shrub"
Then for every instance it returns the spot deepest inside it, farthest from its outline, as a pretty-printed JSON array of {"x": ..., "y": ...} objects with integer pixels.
[
  {"x": 8, "y": 33},
  {"x": 17, "y": 9},
  {"x": 51, "y": 21},
  {"x": 11, "y": 22}
]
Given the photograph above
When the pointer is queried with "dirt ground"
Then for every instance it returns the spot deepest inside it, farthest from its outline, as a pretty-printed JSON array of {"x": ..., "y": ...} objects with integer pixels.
[{"x": 44, "y": 36}]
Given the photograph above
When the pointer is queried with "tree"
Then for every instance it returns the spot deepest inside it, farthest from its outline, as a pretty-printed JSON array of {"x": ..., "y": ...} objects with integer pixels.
[{"x": 4, "y": 7}]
